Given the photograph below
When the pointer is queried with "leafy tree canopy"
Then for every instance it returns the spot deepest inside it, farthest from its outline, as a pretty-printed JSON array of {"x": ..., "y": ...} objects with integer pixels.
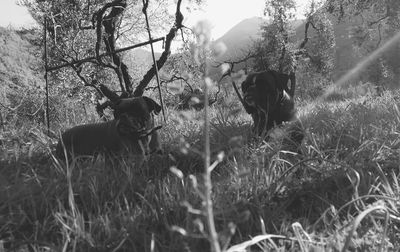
[{"x": 79, "y": 29}]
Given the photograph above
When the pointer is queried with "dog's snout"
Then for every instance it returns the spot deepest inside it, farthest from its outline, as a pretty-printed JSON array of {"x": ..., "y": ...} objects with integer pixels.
[{"x": 136, "y": 123}]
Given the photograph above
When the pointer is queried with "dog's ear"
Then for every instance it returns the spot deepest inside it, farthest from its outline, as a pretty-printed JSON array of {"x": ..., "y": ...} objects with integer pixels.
[
  {"x": 111, "y": 95},
  {"x": 152, "y": 105}
]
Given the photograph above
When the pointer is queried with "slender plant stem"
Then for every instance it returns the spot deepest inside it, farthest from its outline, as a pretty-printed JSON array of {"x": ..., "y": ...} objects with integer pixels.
[{"x": 213, "y": 236}]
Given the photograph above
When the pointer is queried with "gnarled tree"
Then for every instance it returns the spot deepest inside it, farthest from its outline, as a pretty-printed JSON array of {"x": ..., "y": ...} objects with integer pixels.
[{"x": 91, "y": 28}]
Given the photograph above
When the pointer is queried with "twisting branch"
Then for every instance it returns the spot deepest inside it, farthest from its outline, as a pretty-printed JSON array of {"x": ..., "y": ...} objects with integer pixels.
[
  {"x": 232, "y": 64},
  {"x": 306, "y": 38},
  {"x": 97, "y": 20},
  {"x": 92, "y": 59},
  {"x": 172, "y": 79},
  {"x": 109, "y": 22},
  {"x": 175, "y": 77},
  {"x": 112, "y": 96},
  {"x": 78, "y": 70},
  {"x": 249, "y": 55},
  {"x": 164, "y": 56},
  {"x": 301, "y": 51},
  {"x": 112, "y": 99},
  {"x": 55, "y": 26},
  {"x": 379, "y": 37},
  {"x": 378, "y": 20}
]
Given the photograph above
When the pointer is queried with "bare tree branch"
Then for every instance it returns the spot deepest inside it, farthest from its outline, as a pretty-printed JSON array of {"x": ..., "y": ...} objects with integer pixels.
[
  {"x": 109, "y": 22},
  {"x": 232, "y": 64},
  {"x": 249, "y": 55},
  {"x": 167, "y": 51},
  {"x": 175, "y": 78},
  {"x": 301, "y": 50}
]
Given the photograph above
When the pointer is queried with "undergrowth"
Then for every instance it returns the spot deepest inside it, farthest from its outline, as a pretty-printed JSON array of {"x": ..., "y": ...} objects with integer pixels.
[{"x": 341, "y": 191}]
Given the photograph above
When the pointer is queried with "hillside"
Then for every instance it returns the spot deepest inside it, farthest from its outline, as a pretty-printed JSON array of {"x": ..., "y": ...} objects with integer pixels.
[
  {"x": 20, "y": 62},
  {"x": 240, "y": 37}
]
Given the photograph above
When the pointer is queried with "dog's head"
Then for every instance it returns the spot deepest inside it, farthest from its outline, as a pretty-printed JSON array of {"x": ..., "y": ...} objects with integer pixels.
[
  {"x": 135, "y": 116},
  {"x": 265, "y": 91}
]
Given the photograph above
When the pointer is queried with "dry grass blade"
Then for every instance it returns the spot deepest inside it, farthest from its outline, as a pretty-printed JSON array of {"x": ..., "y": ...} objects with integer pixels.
[
  {"x": 396, "y": 109},
  {"x": 301, "y": 234},
  {"x": 244, "y": 245},
  {"x": 385, "y": 181},
  {"x": 264, "y": 232},
  {"x": 376, "y": 196},
  {"x": 358, "y": 220}
]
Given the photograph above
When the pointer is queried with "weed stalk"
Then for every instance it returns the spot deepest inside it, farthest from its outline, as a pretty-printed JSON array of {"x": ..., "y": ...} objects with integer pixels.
[
  {"x": 207, "y": 171},
  {"x": 203, "y": 30}
]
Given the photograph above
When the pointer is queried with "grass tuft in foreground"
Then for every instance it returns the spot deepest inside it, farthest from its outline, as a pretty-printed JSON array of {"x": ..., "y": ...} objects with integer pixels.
[{"x": 340, "y": 193}]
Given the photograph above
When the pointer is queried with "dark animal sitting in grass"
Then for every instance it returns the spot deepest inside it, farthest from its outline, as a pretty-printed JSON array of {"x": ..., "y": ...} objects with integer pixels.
[
  {"x": 268, "y": 98},
  {"x": 132, "y": 130}
]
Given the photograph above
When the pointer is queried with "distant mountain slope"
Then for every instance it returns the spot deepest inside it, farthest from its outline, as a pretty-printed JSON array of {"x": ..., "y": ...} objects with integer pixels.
[
  {"x": 20, "y": 62},
  {"x": 19, "y": 59},
  {"x": 240, "y": 37}
]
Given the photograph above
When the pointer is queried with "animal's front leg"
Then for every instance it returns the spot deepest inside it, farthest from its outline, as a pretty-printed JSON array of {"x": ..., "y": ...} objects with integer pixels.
[
  {"x": 143, "y": 144},
  {"x": 155, "y": 143},
  {"x": 263, "y": 122},
  {"x": 256, "y": 121}
]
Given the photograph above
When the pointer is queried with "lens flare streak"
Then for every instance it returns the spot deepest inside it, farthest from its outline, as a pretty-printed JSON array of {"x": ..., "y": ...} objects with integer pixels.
[{"x": 362, "y": 64}]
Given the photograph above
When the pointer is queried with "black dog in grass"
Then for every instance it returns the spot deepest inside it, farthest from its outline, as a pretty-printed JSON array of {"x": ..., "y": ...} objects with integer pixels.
[
  {"x": 268, "y": 98},
  {"x": 132, "y": 130}
]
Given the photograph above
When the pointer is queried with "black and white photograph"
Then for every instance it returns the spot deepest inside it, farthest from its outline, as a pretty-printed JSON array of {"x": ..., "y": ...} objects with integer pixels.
[{"x": 199, "y": 125}]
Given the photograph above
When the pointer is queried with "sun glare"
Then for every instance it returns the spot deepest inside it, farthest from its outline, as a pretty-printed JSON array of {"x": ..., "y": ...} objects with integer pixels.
[{"x": 363, "y": 64}]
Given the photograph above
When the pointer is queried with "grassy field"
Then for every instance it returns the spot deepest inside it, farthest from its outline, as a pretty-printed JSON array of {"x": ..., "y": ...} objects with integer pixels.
[{"x": 340, "y": 192}]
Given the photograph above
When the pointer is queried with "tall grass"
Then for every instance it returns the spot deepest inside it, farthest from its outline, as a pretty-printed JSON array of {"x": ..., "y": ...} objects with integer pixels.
[{"x": 340, "y": 192}]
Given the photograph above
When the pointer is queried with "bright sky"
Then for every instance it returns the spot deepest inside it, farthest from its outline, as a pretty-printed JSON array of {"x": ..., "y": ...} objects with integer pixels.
[
  {"x": 223, "y": 14},
  {"x": 14, "y": 15}
]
